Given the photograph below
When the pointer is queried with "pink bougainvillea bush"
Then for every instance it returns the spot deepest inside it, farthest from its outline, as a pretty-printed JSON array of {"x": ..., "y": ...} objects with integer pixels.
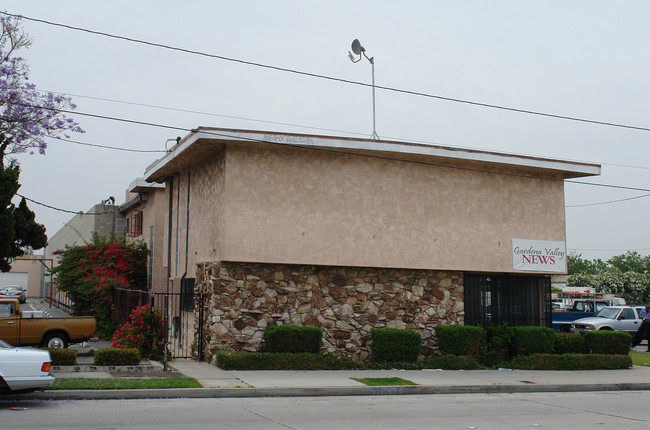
[
  {"x": 91, "y": 273},
  {"x": 143, "y": 331}
]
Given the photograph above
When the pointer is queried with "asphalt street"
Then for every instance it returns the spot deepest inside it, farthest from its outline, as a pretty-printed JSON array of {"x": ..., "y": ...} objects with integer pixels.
[{"x": 606, "y": 410}]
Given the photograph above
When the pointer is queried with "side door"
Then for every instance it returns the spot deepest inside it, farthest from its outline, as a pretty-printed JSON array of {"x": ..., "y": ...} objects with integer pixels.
[
  {"x": 628, "y": 321},
  {"x": 9, "y": 323}
]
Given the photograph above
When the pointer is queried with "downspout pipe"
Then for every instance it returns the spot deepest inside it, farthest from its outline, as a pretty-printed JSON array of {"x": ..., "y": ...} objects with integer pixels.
[
  {"x": 170, "y": 213},
  {"x": 187, "y": 225}
]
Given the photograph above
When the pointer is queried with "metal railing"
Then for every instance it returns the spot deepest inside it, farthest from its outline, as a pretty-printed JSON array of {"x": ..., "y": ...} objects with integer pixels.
[{"x": 57, "y": 298}]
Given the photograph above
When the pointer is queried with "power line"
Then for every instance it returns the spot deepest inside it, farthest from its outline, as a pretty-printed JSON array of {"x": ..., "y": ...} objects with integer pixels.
[
  {"x": 609, "y": 250},
  {"x": 214, "y": 133},
  {"x": 59, "y": 209},
  {"x": 200, "y": 112},
  {"x": 330, "y": 78},
  {"x": 426, "y": 142},
  {"x": 104, "y": 146},
  {"x": 605, "y": 203}
]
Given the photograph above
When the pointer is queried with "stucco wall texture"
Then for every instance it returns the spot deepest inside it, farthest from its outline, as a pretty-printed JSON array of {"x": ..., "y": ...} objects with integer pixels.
[
  {"x": 263, "y": 203},
  {"x": 153, "y": 205}
]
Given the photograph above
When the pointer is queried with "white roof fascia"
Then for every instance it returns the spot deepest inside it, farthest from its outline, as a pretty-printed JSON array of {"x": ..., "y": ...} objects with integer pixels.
[
  {"x": 376, "y": 146},
  {"x": 141, "y": 183}
]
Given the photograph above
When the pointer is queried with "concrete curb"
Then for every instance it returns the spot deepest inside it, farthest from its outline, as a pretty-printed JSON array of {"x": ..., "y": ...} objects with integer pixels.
[
  {"x": 209, "y": 393},
  {"x": 152, "y": 366}
]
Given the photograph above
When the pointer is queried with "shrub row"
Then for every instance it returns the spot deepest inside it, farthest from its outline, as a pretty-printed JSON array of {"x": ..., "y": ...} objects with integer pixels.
[
  {"x": 63, "y": 356},
  {"x": 240, "y": 360},
  {"x": 117, "y": 357},
  {"x": 288, "y": 338},
  {"x": 571, "y": 362},
  {"x": 500, "y": 343},
  {"x": 494, "y": 346},
  {"x": 388, "y": 344},
  {"x": 103, "y": 357}
]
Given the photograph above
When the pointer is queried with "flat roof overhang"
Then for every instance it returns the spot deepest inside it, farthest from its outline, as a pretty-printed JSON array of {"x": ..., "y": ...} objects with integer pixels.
[{"x": 204, "y": 141}]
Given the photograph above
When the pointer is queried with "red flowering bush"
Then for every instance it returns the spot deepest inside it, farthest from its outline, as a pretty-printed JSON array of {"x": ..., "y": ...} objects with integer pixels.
[
  {"x": 141, "y": 334},
  {"x": 90, "y": 274}
]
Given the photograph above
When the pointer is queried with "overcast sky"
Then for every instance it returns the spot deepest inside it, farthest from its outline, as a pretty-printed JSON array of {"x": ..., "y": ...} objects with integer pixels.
[{"x": 586, "y": 59}]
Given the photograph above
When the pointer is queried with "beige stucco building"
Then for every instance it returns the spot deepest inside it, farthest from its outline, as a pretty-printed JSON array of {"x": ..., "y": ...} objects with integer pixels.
[
  {"x": 145, "y": 214},
  {"x": 103, "y": 219},
  {"x": 350, "y": 234}
]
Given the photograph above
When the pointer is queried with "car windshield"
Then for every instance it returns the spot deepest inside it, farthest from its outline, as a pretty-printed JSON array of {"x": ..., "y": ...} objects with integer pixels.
[{"x": 608, "y": 313}]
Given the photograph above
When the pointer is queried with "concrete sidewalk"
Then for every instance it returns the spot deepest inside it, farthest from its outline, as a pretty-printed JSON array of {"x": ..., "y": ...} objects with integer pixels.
[
  {"x": 434, "y": 381},
  {"x": 218, "y": 383}
]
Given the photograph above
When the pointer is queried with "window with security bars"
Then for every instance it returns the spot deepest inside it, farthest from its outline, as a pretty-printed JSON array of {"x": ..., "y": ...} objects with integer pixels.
[
  {"x": 135, "y": 224},
  {"x": 517, "y": 300}
]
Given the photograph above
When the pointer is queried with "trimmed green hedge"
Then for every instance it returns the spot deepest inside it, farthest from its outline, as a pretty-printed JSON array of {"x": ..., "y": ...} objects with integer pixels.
[
  {"x": 498, "y": 346},
  {"x": 569, "y": 343},
  {"x": 288, "y": 338},
  {"x": 117, "y": 357},
  {"x": 571, "y": 362},
  {"x": 390, "y": 344},
  {"x": 63, "y": 356},
  {"x": 240, "y": 360},
  {"x": 532, "y": 340},
  {"x": 607, "y": 342},
  {"x": 460, "y": 339}
]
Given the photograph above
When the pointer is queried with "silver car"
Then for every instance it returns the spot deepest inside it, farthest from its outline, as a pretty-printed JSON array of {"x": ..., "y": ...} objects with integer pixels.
[
  {"x": 618, "y": 318},
  {"x": 13, "y": 292}
]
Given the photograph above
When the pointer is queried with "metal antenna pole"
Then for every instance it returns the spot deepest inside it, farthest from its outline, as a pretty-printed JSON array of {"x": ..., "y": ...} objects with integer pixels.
[
  {"x": 374, "y": 123},
  {"x": 360, "y": 50}
]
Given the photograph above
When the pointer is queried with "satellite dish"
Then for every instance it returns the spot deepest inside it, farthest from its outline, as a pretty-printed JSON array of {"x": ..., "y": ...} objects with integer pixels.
[{"x": 356, "y": 47}]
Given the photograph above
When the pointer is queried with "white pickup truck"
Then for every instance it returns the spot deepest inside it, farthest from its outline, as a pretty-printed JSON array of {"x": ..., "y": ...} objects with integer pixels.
[{"x": 618, "y": 318}]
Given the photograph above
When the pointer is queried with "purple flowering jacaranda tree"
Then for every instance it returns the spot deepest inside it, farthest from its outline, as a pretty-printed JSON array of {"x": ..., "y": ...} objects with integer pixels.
[{"x": 27, "y": 115}]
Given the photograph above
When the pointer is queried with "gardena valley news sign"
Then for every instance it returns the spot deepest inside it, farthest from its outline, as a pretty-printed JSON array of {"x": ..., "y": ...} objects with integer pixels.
[{"x": 538, "y": 255}]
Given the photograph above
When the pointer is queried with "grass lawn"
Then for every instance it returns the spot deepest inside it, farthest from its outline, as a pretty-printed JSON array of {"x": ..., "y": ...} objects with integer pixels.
[
  {"x": 384, "y": 381},
  {"x": 122, "y": 383},
  {"x": 640, "y": 358}
]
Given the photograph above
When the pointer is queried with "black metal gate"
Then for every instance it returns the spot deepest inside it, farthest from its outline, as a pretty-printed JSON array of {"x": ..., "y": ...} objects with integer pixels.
[
  {"x": 518, "y": 300},
  {"x": 183, "y": 316}
]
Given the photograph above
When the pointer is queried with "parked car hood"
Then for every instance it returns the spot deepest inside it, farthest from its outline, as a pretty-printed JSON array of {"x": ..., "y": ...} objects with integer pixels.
[{"x": 591, "y": 320}]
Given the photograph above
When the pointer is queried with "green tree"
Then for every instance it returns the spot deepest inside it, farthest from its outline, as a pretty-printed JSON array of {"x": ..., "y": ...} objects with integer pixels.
[
  {"x": 91, "y": 273},
  {"x": 18, "y": 228},
  {"x": 626, "y": 275},
  {"x": 576, "y": 264},
  {"x": 630, "y": 262}
]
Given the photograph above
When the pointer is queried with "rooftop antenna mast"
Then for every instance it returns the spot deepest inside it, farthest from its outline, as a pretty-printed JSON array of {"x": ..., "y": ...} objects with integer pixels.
[{"x": 359, "y": 50}]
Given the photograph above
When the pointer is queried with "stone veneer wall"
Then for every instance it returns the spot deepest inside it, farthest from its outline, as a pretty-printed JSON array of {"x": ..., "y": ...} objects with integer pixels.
[{"x": 243, "y": 299}]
